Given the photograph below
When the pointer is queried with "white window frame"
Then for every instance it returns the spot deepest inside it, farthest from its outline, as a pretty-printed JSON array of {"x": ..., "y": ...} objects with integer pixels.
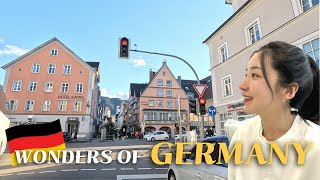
[
  {"x": 16, "y": 86},
  {"x": 170, "y": 94},
  {"x": 169, "y": 106},
  {"x": 31, "y": 105},
  {"x": 46, "y": 87},
  {"x": 80, "y": 88},
  {"x": 313, "y": 50},
  {"x": 158, "y": 82},
  {"x": 160, "y": 103},
  {"x": 46, "y": 104},
  {"x": 14, "y": 105},
  {"x": 54, "y": 68},
  {"x": 151, "y": 103},
  {"x": 36, "y": 67},
  {"x": 62, "y": 106},
  {"x": 34, "y": 84},
  {"x": 77, "y": 106},
  {"x": 224, "y": 116},
  {"x": 54, "y": 52},
  {"x": 65, "y": 67},
  {"x": 224, "y": 95},
  {"x": 223, "y": 46},
  {"x": 158, "y": 94},
  {"x": 169, "y": 84},
  {"x": 246, "y": 30},
  {"x": 62, "y": 87}
]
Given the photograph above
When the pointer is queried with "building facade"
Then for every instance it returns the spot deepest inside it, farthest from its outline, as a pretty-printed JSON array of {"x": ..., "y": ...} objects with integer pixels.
[
  {"x": 253, "y": 24},
  {"x": 51, "y": 82}
]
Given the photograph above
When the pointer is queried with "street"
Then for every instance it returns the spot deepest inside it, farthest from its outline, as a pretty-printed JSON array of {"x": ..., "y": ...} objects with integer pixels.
[{"x": 143, "y": 169}]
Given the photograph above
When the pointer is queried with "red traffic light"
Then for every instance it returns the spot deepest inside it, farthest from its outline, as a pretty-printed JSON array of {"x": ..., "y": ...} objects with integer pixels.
[
  {"x": 202, "y": 100},
  {"x": 124, "y": 41}
]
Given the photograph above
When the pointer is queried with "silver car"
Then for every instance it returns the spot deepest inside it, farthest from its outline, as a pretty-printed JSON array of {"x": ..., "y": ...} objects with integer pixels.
[
  {"x": 156, "y": 135},
  {"x": 202, "y": 171}
]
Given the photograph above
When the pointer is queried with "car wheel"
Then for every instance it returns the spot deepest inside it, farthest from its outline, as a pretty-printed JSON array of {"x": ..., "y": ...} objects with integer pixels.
[
  {"x": 152, "y": 139},
  {"x": 166, "y": 139},
  {"x": 171, "y": 176}
]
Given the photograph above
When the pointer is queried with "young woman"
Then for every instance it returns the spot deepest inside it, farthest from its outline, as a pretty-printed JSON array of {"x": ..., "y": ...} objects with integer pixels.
[{"x": 282, "y": 87}]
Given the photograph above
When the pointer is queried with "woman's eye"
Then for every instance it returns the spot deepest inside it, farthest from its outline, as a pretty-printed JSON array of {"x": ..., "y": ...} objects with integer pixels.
[
  {"x": 254, "y": 75},
  {"x": 245, "y": 75}
]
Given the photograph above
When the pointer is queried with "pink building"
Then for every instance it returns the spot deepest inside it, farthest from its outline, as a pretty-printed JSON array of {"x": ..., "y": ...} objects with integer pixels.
[
  {"x": 51, "y": 82},
  {"x": 158, "y": 103}
]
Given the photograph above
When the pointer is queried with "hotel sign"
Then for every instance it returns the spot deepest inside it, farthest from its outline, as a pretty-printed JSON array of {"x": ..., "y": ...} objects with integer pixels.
[{"x": 69, "y": 97}]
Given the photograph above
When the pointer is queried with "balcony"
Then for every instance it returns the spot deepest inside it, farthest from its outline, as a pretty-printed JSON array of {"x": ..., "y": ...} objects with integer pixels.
[{"x": 196, "y": 123}]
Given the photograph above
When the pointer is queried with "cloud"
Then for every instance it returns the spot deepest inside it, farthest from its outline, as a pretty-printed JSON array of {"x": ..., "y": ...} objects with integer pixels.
[
  {"x": 12, "y": 50},
  {"x": 138, "y": 62},
  {"x": 121, "y": 95},
  {"x": 1, "y": 40}
]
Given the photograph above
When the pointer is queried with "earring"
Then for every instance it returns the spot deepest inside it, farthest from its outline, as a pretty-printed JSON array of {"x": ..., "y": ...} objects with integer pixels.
[{"x": 283, "y": 100}]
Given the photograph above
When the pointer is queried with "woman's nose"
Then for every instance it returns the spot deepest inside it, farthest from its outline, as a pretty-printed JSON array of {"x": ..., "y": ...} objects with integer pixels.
[{"x": 244, "y": 85}]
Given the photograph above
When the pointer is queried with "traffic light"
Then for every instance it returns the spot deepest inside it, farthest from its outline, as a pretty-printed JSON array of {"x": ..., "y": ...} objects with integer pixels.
[
  {"x": 202, "y": 103},
  {"x": 192, "y": 106},
  {"x": 124, "y": 48}
]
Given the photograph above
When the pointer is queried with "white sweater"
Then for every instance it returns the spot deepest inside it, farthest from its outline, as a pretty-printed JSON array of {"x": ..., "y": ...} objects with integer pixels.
[
  {"x": 250, "y": 131},
  {"x": 4, "y": 124}
]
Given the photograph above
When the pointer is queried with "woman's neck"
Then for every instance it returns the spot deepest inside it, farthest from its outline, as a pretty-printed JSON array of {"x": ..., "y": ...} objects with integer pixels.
[{"x": 276, "y": 124}]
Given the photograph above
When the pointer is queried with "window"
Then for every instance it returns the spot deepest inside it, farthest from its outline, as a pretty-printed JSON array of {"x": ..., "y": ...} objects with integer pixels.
[
  {"x": 46, "y": 105},
  {"x": 160, "y": 83},
  {"x": 160, "y": 92},
  {"x": 77, "y": 106},
  {"x": 16, "y": 85},
  {"x": 151, "y": 103},
  {"x": 311, "y": 48},
  {"x": 29, "y": 105},
  {"x": 32, "y": 86},
  {"x": 169, "y": 84},
  {"x": 307, "y": 4},
  {"x": 35, "y": 68},
  {"x": 253, "y": 32},
  {"x": 150, "y": 116},
  {"x": 223, "y": 53},
  {"x": 163, "y": 73},
  {"x": 223, "y": 118},
  {"x": 169, "y": 93},
  {"x": 160, "y": 103},
  {"x": 67, "y": 69},
  {"x": 11, "y": 105},
  {"x": 226, "y": 86},
  {"x": 48, "y": 87},
  {"x": 79, "y": 88},
  {"x": 62, "y": 106},
  {"x": 177, "y": 104},
  {"x": 53, "y": 52},
  {"x": 52, "y": 68},
  {"x": 169, "y": 104},
  {"x": 64, "y": 87}
]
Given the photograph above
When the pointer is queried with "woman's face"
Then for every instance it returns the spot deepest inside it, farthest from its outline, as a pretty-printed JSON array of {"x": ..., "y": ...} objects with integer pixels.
[{"x": 257, "y": 95}]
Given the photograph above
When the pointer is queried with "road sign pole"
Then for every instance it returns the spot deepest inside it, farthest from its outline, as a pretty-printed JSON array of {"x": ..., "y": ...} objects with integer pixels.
[{"x": 202, "y": 127}]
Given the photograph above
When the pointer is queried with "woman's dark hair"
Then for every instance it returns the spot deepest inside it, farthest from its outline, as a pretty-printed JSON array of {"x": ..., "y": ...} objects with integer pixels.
[{"x": 293, "y": 66}]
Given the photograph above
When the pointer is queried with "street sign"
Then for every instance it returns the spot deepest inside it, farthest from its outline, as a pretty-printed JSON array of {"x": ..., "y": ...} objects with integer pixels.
[
  {"x": 212, "y": 111},
  {"x": 200, "y": 88}
]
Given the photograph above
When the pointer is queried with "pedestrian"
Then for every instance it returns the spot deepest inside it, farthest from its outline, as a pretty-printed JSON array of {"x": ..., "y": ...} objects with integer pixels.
[{"x": 282, "y": 88}]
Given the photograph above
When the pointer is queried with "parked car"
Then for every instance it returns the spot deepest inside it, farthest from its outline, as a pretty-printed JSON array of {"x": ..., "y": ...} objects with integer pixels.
[
  {"x": 203, "y": 170},
  {"x": 156, "y": 135},
  {"x": 66, "y": 137}
]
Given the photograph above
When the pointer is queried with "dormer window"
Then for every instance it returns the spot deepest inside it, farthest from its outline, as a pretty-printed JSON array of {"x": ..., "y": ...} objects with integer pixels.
[{"x": 53, "y": 52}]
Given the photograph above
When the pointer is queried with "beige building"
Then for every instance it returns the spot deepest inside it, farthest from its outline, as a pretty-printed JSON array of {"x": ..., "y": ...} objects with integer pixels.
[{"x": 253, "y": 24}]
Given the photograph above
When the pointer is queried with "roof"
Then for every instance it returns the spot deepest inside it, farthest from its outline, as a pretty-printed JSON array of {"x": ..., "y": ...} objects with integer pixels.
[
  {"x": 229, "y": 19},
  {"x": 41, "y": 46},
  {"x": 94, "y": 64},
  {"x": 137, "y": 89}
]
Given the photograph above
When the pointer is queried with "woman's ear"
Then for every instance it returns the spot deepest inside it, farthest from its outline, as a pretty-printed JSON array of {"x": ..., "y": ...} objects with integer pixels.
[{"x": 291, "y": 90}]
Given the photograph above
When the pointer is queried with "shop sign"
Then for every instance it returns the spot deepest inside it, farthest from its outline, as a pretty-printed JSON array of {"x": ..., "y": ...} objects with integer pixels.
[{"x": 235, "y": 106}]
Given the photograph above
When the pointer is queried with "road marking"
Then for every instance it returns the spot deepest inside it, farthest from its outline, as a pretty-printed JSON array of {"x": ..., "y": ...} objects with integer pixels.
[
  {"x": 218, "y": 178},
  {"x": 142, "y": 176},
  {"x": 47, "y": 171},
  {"x": 143, "y": 168},
  {"x": 110, "y": 169},
  {"x": 88, "y": 169},
  {"x": 161, "y": 168},
  {"x": 126, "y": 168},
  {"x": 25, "y": 173},
  {"x": 66, "y": 170},
  {"x": 6, "y": 175}
]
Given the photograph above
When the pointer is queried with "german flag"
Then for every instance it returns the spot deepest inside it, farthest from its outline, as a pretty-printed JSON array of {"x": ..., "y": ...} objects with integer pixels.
[{"x": 31, "y": 138}]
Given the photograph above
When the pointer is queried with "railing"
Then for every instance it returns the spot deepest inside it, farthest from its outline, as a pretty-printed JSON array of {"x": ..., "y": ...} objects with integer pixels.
[
  {"x": 160, "y": 122},
  {"x": 206, "y": 123}
]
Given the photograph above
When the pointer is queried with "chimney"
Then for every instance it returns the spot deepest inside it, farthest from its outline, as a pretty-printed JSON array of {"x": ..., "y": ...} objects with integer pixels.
[
  {"x": 179, "y": 80},
  {"x": 164, "y": 62},
  {"x": 151, "y": 75}
]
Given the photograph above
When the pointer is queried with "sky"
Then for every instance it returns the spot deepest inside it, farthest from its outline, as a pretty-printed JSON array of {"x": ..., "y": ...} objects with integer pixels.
[{"x": 91, "y": 29}]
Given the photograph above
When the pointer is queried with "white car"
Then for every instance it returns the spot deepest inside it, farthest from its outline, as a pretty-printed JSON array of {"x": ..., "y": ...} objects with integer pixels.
[
  {"x": 156, "y": 135},
  {"x": 202, "y": 171}
]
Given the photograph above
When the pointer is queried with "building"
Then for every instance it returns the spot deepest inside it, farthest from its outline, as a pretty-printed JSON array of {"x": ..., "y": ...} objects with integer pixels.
[
  {"x": 253, "y": 24},
  {"x": 158, "y": 105},
  {"x": 2, "y": 99},
  {"x": 51, "y": 82}
]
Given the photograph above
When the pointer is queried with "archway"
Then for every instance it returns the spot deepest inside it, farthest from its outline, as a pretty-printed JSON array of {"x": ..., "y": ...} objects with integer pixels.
[{"x": 149, "y": 129}]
